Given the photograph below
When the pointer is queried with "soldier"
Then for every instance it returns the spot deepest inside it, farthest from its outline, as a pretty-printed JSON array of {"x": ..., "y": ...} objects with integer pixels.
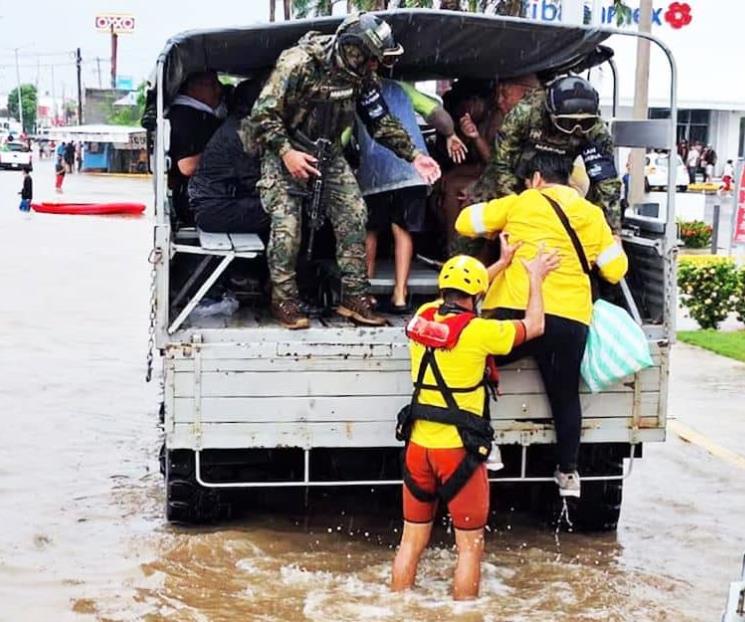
[
  {"x": 314, "y": 91},
  {"x": 562, "y": 118}
]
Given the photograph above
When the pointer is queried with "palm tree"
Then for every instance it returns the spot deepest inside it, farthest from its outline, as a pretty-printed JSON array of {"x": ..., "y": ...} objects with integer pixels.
[
  {"x": 272, "y": 10},
  {"x": 286, "y": 7}
]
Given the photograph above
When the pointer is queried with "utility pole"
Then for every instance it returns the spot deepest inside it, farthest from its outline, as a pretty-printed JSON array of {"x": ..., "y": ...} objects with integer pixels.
[
  {"x": 98, "y": 66},
  {"x": 54, "y": 98},
  {"x": 114, "y": 38},
  {"x": 641, "y": 102},
  {"x": 18, "y": 89},
  {"x": 78, "y": 62}
]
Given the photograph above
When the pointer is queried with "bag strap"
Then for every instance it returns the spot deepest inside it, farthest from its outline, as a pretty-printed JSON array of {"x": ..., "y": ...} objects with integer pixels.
[{"x": 571, "y": 233}]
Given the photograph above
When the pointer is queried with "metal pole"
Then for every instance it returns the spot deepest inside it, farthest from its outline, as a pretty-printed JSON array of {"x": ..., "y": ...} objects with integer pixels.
[
  {"x": 78, "y": 61},
  {"x": 641, "y": 100},
  {"x": 54, "y": 100},
  {"x": 98, "y": 66},
  {"x": 18, "y": 89},
  {"x": 715, "y": 231},
  {"x": 113, "y": 57}
]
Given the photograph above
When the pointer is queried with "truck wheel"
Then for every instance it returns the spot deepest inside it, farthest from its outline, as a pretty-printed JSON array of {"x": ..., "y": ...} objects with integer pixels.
[
  {"x": 599, "y": 506},
  {"x": 187, "y": 501}
]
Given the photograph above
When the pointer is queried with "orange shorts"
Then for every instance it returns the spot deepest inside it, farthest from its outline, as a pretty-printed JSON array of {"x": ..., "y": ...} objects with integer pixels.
[{"x": 469, "y": 509}]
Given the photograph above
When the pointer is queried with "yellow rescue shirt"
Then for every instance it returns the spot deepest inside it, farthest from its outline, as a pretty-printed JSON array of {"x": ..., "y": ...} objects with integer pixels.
[
  {"x": 529, "y": 218},
  {"x": 461, "y": 367}
]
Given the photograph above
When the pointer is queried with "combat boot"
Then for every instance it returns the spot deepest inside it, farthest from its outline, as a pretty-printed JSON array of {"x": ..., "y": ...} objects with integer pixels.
[
  {"x": 360, "y": 309},
  {"x": 288, "y": 313}
]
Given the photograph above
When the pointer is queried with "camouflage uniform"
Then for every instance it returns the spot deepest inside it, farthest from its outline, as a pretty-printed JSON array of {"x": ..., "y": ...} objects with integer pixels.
[
  {"x": 528, "y": 129},
  {"x": 309, "y": 96}
]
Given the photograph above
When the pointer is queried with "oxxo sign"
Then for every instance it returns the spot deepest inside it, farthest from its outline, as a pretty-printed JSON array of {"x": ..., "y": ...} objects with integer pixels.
[
  {"x": 675, "y": 14},
  {"x": 115, "y": 22}
]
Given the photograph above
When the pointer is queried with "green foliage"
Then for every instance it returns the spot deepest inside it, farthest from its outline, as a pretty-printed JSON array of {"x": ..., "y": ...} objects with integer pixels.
[
  {"x": 623, "y": 12},
  {"x": 28, "y": 102},
  {"x": 129, "y": 115},
  {"x": 740, "y": 302},
  {"x": 726, "y": 343},
  {"x": 695, "y": 233},
  {"x": 709, "y": 290}
]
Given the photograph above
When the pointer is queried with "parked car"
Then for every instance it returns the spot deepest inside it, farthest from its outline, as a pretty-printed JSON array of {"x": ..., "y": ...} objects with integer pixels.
[
  {"x": 15, "y": 155},
  {"x": 655, "y": 172}
]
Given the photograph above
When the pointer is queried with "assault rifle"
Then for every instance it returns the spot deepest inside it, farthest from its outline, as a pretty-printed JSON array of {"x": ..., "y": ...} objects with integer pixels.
[{"x": 315, "y": 211}]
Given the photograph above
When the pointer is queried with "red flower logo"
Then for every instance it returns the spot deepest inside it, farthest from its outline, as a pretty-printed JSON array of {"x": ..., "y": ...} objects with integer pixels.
[{"x": 678, "y": 14}]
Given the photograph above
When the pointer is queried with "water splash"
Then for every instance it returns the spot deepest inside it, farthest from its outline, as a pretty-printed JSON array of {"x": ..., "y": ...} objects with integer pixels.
[{"x": 563, "y": 517}]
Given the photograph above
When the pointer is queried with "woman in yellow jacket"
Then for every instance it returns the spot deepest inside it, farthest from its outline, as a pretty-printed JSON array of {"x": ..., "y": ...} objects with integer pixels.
[{"x": 531, "y": 220}]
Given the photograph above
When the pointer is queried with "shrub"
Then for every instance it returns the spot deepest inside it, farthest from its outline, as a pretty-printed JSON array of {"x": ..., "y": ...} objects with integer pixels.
[
  {"x": 740, "y": 295},
  {"x": 709, "y": 289},
  {"x": 695, "y": 233}
]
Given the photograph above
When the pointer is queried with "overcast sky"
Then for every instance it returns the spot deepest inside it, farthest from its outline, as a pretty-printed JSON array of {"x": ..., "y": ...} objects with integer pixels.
[{"x": 47, "y": 33}]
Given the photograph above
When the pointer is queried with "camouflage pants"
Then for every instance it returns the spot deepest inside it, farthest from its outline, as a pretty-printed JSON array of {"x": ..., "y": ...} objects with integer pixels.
[{"x": 282, "y": 197}]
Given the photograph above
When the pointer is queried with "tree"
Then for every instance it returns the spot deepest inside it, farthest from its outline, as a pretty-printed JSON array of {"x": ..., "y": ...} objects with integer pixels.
[
  {"x": 287, "y": 9},
  {"x": 129, "y": 115},
  {"x": 28, "y": 101},
  {"x": 272, "y": 10}
]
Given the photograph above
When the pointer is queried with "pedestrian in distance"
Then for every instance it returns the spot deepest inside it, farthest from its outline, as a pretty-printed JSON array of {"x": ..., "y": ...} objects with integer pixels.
[
  {"x": 59, "y": 172},
  {"x": 728, "y": 176},
  {"x": 27, "y": 191},
  {"x": 446, "y": 426},
  {"x": 307, "y": 103}
]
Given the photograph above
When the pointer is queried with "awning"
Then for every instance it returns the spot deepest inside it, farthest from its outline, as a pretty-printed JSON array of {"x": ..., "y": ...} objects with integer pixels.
[
  {"x": 121, "y": 136},
  {"x": 437, "y": 44}
]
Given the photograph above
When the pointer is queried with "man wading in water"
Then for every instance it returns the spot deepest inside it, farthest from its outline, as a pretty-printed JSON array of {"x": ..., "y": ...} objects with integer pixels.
[{"x": 446, "y": 426}]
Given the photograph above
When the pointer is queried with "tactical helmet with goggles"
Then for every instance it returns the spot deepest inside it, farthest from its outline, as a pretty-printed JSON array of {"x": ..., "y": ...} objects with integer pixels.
[
  {"x": 572, "y": 103},
  {"x": 464, "y": 274},
  {"x": 372, "y": 36}
]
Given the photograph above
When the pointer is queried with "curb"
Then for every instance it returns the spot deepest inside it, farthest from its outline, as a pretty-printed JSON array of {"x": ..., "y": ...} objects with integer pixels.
[{"x": 690, "y": 435}]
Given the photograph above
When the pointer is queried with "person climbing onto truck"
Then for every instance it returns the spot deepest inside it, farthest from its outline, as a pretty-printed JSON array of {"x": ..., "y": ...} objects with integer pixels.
[
  {"x": 446, "y": 426},
  {"x": 551, "y": 212},
  {"x": 561, "y": 118},
  {"x": 312, "y": 94}
]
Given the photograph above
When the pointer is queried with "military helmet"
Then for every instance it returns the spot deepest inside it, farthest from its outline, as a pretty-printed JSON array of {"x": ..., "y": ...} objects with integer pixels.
[
  {"x": 572, "y": 103},
  {"x": 465, "y": 274},
  {"x": 373, "y": 35}
]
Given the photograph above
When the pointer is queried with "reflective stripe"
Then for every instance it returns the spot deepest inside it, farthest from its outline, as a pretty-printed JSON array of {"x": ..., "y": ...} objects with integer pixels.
[
  {"x": 608, "y": 255},
  {"x": 476, "y": 212}
]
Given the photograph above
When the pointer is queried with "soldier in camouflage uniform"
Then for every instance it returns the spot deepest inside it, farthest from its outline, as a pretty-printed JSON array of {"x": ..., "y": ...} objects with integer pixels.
[
  {"x": 314, "y": 92},
  {"x": 563, "y": 118}
]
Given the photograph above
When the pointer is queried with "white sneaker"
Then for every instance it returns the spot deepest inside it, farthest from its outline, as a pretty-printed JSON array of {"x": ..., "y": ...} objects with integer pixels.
[
  {"x": 494, "y": 461},
  {"x": 569, "y": 483}
]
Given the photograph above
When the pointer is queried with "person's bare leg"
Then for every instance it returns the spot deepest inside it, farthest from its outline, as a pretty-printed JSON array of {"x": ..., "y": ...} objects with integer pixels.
[
  {"x": 371, "y": 252},
  {"x": 403, "y": 251},
  {"x": 467, "y": 576},
  {"x": 413, "y": 542}
]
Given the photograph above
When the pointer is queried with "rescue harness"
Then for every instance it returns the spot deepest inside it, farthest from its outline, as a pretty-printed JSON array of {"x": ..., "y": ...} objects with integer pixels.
[{"x": 475, "y": 432}]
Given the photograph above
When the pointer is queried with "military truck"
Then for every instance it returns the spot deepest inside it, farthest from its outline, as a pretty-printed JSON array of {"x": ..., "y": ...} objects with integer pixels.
[{"x": 248, "y": 404}]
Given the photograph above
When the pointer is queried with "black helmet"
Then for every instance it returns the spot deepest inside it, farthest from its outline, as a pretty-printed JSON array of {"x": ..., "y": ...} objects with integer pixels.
[
  {"x": 372, "y": 35},
  {"x": 572, "y": 103}
]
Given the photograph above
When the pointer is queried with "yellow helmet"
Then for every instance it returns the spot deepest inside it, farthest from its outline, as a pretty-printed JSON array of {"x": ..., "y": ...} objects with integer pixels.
[{"x": 465, "y": 274}]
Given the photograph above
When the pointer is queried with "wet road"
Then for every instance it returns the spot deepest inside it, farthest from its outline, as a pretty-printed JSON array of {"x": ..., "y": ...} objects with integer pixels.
[{"x": 82, "y": 535}]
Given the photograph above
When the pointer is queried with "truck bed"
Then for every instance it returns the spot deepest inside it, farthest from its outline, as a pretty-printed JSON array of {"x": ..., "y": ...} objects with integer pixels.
[{"x": 249, "y": 383}]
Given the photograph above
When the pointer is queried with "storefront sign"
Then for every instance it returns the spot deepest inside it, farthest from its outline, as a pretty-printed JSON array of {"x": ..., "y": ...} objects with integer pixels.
[
  {"x": 738, "y": 235},
  {"x": 675, "y": 14}
]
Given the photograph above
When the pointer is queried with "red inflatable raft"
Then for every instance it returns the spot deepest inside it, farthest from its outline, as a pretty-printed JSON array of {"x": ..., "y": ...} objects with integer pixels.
[{"x": 88, "y": 208}]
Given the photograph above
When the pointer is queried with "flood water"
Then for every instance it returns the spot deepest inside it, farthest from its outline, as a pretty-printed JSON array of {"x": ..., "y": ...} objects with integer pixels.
[{"x": 82, "y": 533}]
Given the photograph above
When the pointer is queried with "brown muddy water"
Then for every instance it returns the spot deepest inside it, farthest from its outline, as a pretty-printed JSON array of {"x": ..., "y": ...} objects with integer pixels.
[{"x": 82, "y": 533}]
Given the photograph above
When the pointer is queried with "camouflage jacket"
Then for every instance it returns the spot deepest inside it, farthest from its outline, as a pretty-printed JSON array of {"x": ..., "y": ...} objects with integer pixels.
[
  {"x": 528, "y": 129},
  {"x": 308, "y": 95}
]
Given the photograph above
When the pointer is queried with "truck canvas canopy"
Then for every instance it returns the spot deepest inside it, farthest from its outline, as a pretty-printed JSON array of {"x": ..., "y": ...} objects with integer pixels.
[{"x": 437, "y": 44}]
